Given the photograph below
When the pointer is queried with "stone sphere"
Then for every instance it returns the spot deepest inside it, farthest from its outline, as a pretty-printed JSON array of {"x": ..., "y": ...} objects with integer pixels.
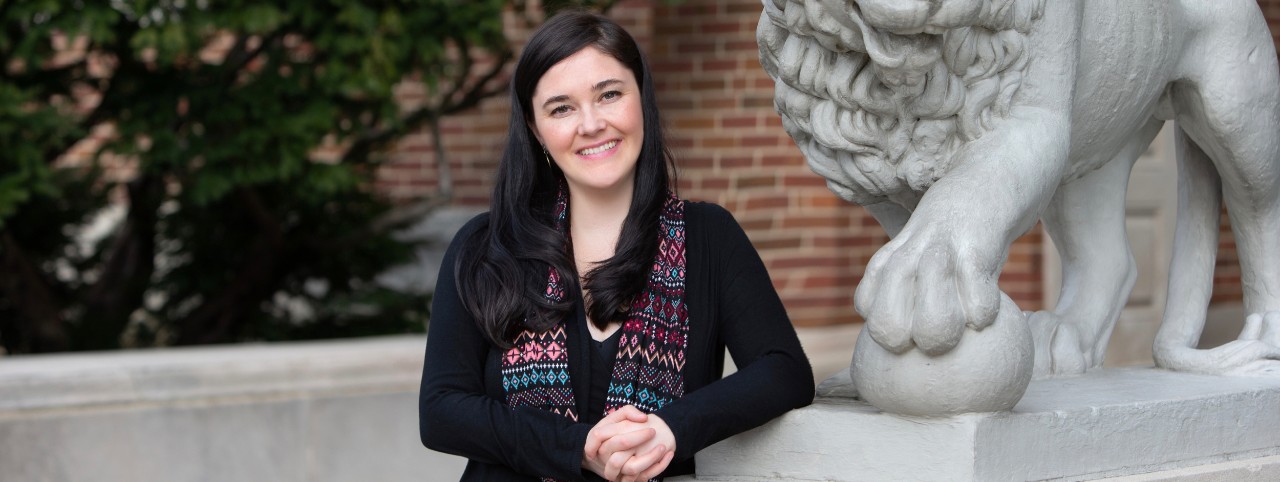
[{"x": 988, "y": 371}]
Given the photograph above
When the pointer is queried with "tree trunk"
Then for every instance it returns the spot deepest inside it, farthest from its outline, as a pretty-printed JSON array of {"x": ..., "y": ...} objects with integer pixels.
[
  {"x": 126, "y": 272},
  {"x": 218, "y": 319},
  {"x": 39, "y": 327}
]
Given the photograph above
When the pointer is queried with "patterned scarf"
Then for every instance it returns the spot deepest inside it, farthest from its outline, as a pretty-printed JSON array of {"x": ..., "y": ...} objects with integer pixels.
[{"x": 648, "y": 371}]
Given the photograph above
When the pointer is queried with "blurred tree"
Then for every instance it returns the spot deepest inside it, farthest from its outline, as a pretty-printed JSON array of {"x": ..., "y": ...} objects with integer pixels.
[{"x": 232, "y": 228}]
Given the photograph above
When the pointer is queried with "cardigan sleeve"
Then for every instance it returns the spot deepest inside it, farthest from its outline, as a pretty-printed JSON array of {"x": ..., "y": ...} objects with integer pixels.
[
  {"x": 456, "y": 416},
  {"x": 773, "y": 375}
]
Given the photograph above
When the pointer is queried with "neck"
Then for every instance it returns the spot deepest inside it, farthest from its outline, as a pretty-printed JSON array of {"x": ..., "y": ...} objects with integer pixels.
[
  {"x": 595, "y": 221},
  {"x": 598, "y": 211}
]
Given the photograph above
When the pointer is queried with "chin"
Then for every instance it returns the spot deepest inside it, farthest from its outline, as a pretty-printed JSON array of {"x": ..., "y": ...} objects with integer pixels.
[{"x": 604, "y": 184}]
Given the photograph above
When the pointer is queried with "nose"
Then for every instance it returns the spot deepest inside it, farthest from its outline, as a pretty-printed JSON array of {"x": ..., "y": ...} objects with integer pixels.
[{"x": 592, "y": 121}]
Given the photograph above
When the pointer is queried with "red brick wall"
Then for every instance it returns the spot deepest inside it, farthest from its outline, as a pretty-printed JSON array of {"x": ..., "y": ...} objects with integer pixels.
[
  {"x": 1227, "y": 287},
  {"x": 1271, "y": 10},
  {"x": 718, "y": 104},
  {"x": 473, "y": 140},
  {"x": 732, "y": 150}
]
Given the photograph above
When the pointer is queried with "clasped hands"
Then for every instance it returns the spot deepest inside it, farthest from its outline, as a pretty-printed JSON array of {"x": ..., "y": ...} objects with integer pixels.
[{"x": 629, "y": 445}]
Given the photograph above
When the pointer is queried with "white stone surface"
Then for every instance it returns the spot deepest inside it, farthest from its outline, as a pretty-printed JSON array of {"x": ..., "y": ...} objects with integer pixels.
[
  {"x": 1108, "y": 423},
  {"x": 986, "y": 372},
  {"x": 347, "y": 410},
  {"x": 317, "y": 411}
]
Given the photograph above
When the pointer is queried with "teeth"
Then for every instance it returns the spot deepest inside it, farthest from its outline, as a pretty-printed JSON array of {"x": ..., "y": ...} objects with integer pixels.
[{"x": 598, "y": 149}]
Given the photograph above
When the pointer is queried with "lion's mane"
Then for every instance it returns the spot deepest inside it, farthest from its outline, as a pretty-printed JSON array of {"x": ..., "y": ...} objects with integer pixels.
[{"x": 881, "y": 114}]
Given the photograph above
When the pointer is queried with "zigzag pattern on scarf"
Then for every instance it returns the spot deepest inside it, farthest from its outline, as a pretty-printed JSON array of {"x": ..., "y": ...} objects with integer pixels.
[{"x": 648, "y": 370}]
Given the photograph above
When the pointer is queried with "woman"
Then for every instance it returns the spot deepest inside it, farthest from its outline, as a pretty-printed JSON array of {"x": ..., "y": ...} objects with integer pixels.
[{"x": 581, "y": 293}]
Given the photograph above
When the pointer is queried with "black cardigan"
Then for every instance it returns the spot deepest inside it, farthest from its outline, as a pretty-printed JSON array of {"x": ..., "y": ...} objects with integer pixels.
[{"x": 731, "y": 302}]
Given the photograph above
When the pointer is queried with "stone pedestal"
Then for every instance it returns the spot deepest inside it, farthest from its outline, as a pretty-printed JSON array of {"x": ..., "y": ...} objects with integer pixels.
[{"x": 1108, "y": 423}]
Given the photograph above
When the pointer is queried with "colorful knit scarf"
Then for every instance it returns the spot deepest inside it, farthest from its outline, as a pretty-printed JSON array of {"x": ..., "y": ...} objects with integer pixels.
[{"x": 648, "y": 371}]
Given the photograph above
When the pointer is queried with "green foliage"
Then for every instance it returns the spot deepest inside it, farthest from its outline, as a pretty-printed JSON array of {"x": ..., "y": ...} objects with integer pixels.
[
  {"x": 24, "y": 130},
  {"x": 231, "y": 230}
]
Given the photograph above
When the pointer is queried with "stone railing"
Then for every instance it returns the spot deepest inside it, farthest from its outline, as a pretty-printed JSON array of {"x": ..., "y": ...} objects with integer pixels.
[{"x": 314, "y": 411}]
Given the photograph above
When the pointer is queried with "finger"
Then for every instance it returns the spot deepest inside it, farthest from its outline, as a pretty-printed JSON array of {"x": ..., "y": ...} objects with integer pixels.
[
  {"x": 601, "y": 435},
  {"x": 656, "y": 469},
  {"x": 594, "y": 440},
  {"x": 639, "y": 463},
  {"x": 631, "y": 413},
  {"x": 593, "y": 444},
  {"x": 614, "y": 467},
  {"x": 626, "y": 412},
  {"x": 626, "y": 441},
  {"x": 611, "y": 425}
]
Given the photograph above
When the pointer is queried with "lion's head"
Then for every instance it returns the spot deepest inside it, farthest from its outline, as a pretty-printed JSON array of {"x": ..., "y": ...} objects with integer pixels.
[{"x": 880, "y": 94}]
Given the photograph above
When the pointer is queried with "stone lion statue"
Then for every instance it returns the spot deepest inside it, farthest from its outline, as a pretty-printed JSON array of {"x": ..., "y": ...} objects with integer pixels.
[{"x": 960, "y": 123}]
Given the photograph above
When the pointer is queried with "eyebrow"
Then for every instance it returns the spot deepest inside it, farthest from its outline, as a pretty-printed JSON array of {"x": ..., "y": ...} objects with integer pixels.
[{"x": 595, "y": 88}]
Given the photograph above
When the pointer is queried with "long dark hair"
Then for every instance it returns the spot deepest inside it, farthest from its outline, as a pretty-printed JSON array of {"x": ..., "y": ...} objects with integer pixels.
[{"x": 502, "y": 270}]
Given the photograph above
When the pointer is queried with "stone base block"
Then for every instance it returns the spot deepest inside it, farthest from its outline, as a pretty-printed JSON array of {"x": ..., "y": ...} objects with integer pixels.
[{"x": 1108, "y": 423}]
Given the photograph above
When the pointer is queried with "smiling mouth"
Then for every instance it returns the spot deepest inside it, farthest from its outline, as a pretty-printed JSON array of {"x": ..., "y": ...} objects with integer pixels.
[{"x": 598, "y": 149}]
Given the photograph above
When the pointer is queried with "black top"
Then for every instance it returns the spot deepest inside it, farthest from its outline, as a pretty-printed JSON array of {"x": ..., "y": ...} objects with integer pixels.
[{"x": 731, "y": 303}]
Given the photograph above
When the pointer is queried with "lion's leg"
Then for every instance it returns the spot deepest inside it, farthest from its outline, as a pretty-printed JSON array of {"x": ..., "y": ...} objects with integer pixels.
[
  {"x": 939, "y": 275},
  {"x": 1195, "y": 248},
  {"x": 1086, "y": 221},
  {"x": 1230, "y": 107},
  {"x": 1191, "y": 282}
]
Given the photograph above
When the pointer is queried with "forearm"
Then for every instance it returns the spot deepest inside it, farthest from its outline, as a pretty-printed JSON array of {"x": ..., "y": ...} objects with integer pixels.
[
  {"x": 458, "y": 415},
  {"x": 761, "y": 391},
  {"x": 527, "y": 440},
  {"x": 1000, "y": 183}
]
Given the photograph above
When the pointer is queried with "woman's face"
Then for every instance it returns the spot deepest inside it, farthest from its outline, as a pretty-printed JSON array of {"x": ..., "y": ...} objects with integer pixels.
[{"x": 586, "y": 112}]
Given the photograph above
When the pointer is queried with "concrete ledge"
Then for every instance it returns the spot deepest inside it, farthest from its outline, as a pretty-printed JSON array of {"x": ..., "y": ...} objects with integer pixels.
[
  {"x": 312, "y": 411},
  {"x": 241, "y": 372},
  {"x": 1108, "y": 423}
]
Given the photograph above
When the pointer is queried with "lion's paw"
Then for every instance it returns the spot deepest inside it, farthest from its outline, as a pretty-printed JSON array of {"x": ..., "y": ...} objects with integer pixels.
[
  {"x": 1057, "y": 346},
  {"x": 1257, "y": 350},
  {"x": 1263, "y": 327},
  {"x": 924, "y": 291}
]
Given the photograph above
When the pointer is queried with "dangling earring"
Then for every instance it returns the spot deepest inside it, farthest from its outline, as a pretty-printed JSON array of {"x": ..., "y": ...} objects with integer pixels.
[{"x": 546, "y": 156}]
